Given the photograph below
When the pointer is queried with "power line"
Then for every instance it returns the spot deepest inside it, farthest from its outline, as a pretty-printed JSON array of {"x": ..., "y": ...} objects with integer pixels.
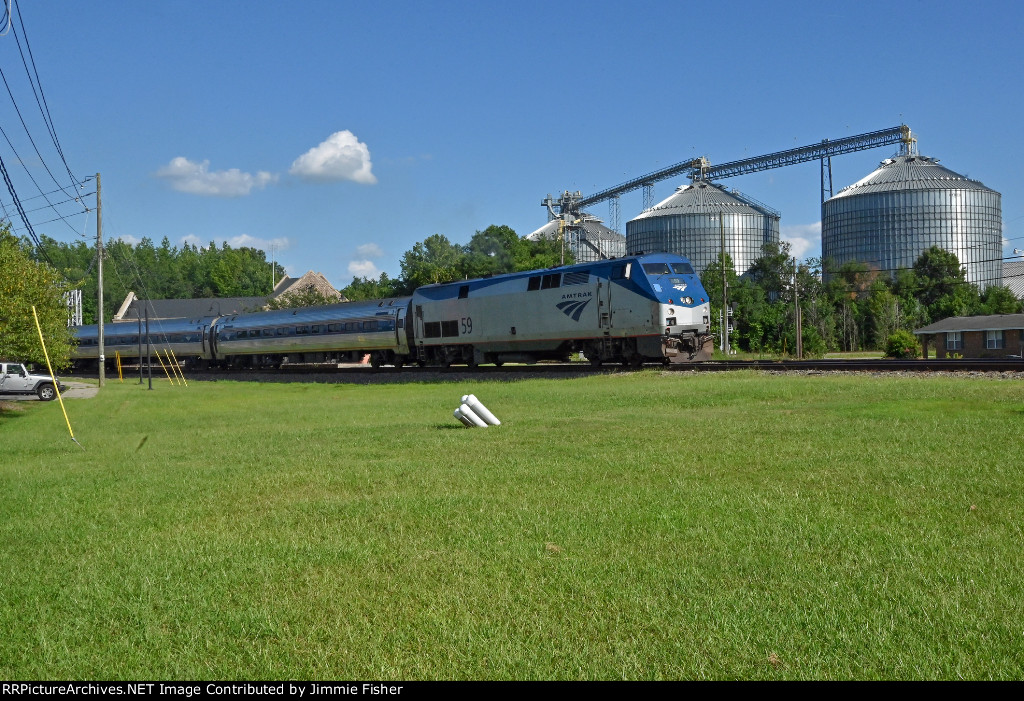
[
  {"x": 51, "y": 192},
  {"x": 28, "y": 133},
  {"x": 7, "y": 18},
  {"x": 44, "y": 108},
  {"x": 40, "y": 97},
  {"x": 21, "y": 211}
]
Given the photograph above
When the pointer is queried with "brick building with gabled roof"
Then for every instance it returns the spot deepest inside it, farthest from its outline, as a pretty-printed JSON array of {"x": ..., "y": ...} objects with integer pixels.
[
  {"x": 311, "y": 281},
  {"x": 992, "y": 336}
]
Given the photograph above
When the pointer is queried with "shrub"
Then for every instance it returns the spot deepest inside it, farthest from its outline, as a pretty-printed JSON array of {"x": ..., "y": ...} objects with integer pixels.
[{"x": 902, "y": 344}]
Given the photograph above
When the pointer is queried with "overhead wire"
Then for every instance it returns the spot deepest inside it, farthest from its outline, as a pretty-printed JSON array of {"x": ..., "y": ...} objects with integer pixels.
[
  {"x": 40, "y": 97},
  {"x": 44, "y": 108},
  {"x": 52, "y": 192}
]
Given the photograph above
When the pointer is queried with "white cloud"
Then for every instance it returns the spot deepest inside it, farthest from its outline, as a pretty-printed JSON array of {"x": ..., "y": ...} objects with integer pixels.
[
  {"x": 369, "y": 250},
  {"x": 241, "y": 241},
  {"x": 128, "y": 238},
  {"x": 341, "y": 157},
  {"x": 363, "y": 268},
  {"x": 196, "y": 179},
  {"x": 245, "y": 241},
  {"x": 801, "y": 238}
]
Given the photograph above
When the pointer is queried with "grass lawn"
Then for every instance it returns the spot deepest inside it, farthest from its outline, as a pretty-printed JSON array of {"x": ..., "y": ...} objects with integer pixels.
[{"x": 637, "y": 526}]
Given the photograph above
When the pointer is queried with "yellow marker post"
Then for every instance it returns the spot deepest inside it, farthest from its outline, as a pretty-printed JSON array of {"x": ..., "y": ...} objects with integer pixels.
[
  {"x": 161, "y": 361},
  {"x": 178, "y": 367},
  {"x": 56, "y": 385},
  {"x": 117, "y": 357}
]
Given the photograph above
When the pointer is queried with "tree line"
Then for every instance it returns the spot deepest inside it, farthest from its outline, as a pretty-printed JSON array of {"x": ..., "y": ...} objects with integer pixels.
[
  {"x": 850, "y": 307},
  {"x": 493, "y": 251},
  {"x": 156, "y": 272}
]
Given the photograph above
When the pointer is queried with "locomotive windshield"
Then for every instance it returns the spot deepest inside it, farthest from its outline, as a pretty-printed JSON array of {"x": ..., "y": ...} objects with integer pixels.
[
  {"x": 656, "y": 268},
  {"x": 667, "y": 268}
]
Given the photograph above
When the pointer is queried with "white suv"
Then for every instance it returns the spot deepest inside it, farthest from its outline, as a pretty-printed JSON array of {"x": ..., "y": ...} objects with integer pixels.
[{"x": 15, "y": 379}]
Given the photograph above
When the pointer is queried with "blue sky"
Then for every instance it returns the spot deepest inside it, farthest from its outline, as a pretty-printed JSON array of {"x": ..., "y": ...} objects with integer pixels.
[{"x": 346, "y": 132}]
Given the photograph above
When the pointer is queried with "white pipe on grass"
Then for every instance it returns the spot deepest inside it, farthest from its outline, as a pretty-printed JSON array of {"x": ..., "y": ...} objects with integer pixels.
[
  {"x": 464, "y": 419},
  {"x": 468, "y": 413},
  {"x": 480, "y": 410}
]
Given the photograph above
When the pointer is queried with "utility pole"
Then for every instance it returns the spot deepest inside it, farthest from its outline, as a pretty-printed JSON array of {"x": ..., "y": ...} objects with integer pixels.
[
  {"x": 797, "y": 321},
  {"x": 149, "y": 353},
  {"x": 99, "y": 285},
  {"x": 139, "y": 314},
  {"x": 725, "y": 297}
]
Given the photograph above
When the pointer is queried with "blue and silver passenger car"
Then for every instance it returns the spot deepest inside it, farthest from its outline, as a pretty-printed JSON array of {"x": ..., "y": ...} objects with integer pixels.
[
  {"x": 187, "y": 338},
  {"x": 344, "y": 331}
]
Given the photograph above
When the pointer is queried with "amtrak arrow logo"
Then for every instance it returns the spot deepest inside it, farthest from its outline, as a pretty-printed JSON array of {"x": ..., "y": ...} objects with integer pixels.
[{"x": 573, "y": 308}]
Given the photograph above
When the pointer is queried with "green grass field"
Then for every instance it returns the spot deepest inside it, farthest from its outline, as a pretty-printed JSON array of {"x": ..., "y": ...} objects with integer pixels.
[{"x": 635, "y": 526}]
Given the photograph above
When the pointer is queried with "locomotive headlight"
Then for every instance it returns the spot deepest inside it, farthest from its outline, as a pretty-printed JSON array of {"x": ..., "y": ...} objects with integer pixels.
[{"x": 671, "y": 310}]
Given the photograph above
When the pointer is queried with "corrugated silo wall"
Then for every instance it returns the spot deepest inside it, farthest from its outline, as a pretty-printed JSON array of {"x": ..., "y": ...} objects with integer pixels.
[
  {"x": 698, "y": 236},
  {"x": 890, "y": 230}
]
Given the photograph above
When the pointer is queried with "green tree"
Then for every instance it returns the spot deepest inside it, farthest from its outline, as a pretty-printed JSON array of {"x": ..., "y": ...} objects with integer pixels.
[
  {"x": 847, "y": 288},
  {"x": 435, "y": 259},
  {"x": 942, "y": 285},
  {"x": 367, "y": 288},
  {"x": 999, "y": 300},
  {"x": 773, "y": 269},
  {"x": 545, "y": 253},
  {"x": 884, "y": 310},
  {"x": 902, "y": 345},
  {"x": 25, "y": 283},
  {"x": 817, "y": 308},
  {"x": 495, "y": 250}
]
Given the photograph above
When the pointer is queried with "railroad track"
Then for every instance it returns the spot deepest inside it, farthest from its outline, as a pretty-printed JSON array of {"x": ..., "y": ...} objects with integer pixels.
[
  {"x": 367, "y": 374},
  {"x": 868, "y": 365}
]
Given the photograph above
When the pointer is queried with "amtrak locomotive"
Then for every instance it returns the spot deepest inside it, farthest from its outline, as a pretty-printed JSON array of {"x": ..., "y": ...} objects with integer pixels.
[{"x": 637, "y": 309}]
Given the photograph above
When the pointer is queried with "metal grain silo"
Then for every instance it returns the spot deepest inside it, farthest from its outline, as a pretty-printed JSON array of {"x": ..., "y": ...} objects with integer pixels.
[
  {"x": 587, "y": 238},
  {"x": 688, "y": 223},
  {"x": 907, "y": 205}
]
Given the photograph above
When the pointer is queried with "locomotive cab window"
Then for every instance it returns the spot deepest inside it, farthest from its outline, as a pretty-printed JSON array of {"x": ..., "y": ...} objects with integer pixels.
[
  {"x": 682, "y": 269},
  {"x": 622, "y": 272},
  {"x": 463, "y": 291},
  {"x": 656, "y": 268},
  {"x": 533, "y": 284},
  {"x": 552, "y": 280}
]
